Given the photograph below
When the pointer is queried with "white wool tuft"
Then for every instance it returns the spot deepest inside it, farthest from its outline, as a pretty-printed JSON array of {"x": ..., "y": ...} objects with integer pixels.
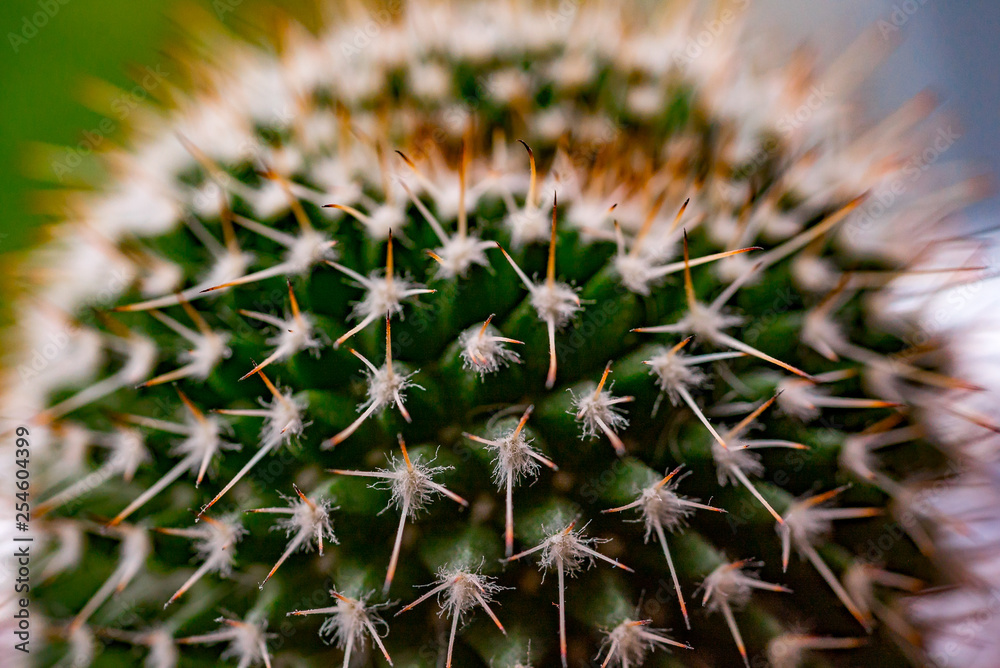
[
  {"x": 557, "y": 303},
  {"x": 485, "y": 351},
  {"x": 735, "y": 458}
]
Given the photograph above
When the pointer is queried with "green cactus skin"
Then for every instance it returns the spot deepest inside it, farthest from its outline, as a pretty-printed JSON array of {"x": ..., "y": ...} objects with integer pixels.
[{"x": 649, "y": 163}]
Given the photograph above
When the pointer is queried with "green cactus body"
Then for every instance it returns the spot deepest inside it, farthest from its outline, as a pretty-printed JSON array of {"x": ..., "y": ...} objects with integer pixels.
[{"x": 517, "y": 278}]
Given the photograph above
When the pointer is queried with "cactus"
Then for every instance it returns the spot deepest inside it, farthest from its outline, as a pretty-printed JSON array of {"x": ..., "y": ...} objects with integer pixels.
[{"x": 332, "y": 334}]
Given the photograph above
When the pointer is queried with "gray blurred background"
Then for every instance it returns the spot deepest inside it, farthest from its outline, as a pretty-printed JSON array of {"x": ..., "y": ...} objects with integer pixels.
[{"x": 951, "y": 47}]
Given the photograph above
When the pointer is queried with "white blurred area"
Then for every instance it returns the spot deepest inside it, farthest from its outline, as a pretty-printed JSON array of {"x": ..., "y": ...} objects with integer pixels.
[{"x": 951, "y": 49}]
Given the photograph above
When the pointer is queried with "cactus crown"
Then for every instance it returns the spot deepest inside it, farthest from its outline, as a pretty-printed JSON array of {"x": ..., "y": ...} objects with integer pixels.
[{"x": 345, "y": 241}]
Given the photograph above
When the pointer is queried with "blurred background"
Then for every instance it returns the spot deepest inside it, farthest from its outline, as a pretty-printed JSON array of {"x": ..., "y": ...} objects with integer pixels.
[{"x": 52, "y": 47}]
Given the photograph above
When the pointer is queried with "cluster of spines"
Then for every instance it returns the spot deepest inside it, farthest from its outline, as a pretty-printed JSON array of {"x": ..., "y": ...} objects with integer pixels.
[
  {"x": 554, "y": 303},
  {"x": 412, "y": 485}
]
